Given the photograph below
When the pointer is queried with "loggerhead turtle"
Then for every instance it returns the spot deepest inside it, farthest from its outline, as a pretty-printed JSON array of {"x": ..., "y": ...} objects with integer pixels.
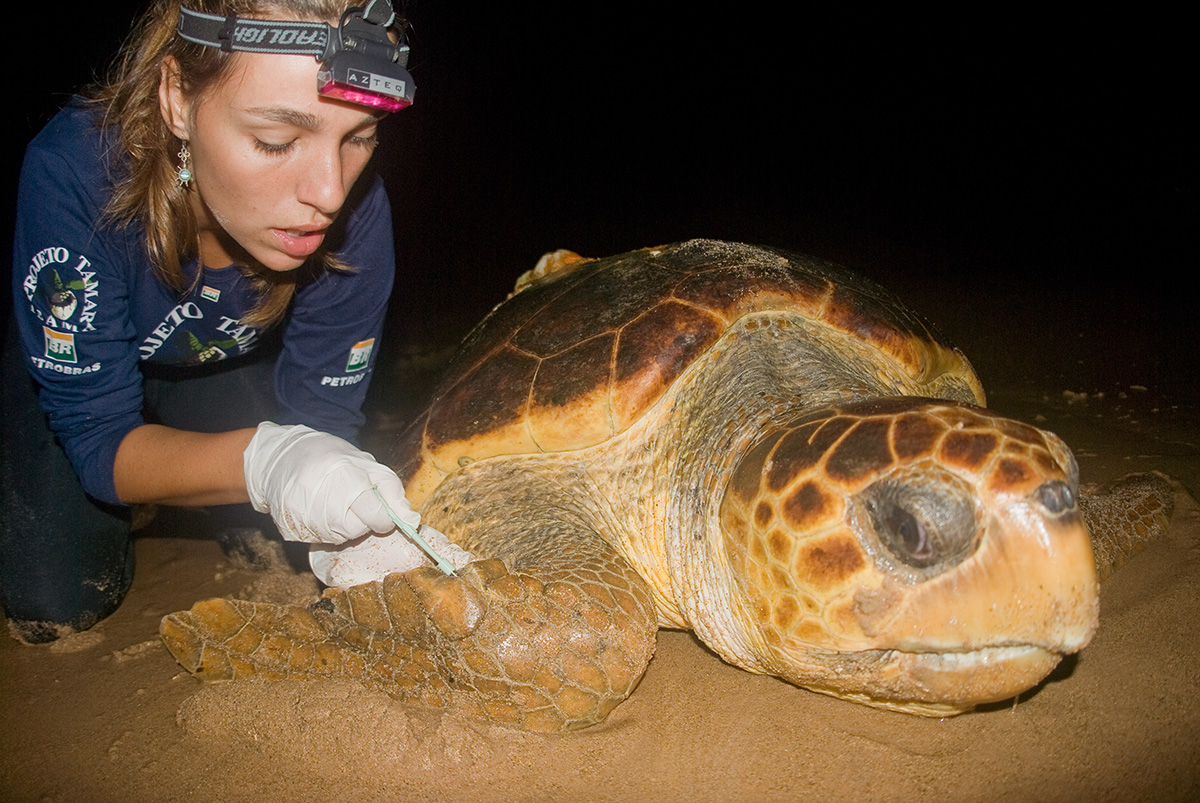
[{"x": 758, "y": 446}]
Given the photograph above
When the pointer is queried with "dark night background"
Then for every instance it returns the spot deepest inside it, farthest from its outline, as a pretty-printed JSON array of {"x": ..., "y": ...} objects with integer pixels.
[{"x": 1028, "y": 184}]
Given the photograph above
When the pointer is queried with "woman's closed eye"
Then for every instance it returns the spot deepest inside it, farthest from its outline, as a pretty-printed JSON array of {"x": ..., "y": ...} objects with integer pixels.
[
  {"x": 368, "y": 141},
  {"x": 273, "y": 148}
]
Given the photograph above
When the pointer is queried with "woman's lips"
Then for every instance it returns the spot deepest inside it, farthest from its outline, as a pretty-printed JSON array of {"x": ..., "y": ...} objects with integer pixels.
[{"x": 297, "y": 242}]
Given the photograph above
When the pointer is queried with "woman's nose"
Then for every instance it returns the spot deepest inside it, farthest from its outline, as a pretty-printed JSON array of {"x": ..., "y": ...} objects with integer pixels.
[{"x": 321, "y": 184}]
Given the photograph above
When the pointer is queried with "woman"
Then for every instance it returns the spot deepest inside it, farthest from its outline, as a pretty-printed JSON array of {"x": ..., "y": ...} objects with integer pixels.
[{"x": 200, "y": 283}]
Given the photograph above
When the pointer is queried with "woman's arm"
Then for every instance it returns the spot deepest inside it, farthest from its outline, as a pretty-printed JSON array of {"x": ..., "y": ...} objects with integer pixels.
[
  {"x": 317, "y": 487},
  {"x": 170, "y": 466}
]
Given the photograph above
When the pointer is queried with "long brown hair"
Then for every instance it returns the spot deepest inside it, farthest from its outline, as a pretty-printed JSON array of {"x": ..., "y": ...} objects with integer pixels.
[{"x": 145, "y": 190}]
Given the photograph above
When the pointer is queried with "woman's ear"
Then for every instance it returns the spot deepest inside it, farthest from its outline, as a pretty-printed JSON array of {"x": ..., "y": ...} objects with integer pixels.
[{"x": 171, "y": 101}]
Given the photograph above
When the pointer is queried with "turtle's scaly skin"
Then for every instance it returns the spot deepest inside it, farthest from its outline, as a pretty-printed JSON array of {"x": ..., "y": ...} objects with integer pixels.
[
  {"x": 1124, "y": 516},
  {"x": 506, "y": 647},
  {"x": 760, "y": 447}
]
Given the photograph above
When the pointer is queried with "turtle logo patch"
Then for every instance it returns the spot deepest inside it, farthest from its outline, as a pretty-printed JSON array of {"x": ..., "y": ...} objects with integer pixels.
[
  {"x": 62, "y": 290},
  {"x": 60, "y": 346},
  {"x": 360, "y": 355},
  {"x": 63, "y": 301}
]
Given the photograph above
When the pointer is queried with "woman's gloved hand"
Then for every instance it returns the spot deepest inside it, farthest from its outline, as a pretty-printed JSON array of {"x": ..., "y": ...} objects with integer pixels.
[{"x": 317, "y": 487}]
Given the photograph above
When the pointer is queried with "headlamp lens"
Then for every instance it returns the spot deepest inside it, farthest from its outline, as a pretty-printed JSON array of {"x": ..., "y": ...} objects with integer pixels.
[
  {"x": 334, "y": 89},
  {"x": 359, "y": 78}
]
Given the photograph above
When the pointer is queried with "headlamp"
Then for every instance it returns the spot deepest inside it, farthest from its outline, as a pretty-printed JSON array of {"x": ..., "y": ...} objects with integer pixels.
[{"x": 359, "y": 61}]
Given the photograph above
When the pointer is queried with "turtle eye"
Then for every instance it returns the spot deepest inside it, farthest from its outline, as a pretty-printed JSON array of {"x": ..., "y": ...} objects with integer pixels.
[
  {"x": 926, "y": 525},
  {"x": 912, "y": 535},
  {"x": 1056, "y": 496}
]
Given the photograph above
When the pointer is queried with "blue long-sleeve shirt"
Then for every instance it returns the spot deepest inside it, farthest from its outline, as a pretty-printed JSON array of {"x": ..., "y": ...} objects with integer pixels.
[{"x": 90, "y": 309}]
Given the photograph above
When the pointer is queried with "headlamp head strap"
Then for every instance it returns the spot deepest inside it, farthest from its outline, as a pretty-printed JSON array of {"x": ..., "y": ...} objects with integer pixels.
[
  {"x": 360, "y": 63},
  {"x": 256, "y": 36}
]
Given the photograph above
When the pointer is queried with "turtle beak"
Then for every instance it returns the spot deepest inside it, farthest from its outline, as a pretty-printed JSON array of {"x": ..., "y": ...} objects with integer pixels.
[{"x": 993, "y": 626}]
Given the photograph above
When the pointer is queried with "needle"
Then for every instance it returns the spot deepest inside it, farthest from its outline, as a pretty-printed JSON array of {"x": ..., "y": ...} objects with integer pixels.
[{"x": 446, "y": 566}]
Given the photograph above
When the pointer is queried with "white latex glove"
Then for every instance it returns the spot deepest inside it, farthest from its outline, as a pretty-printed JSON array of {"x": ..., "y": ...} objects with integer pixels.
[
  {"x": 317, "y": 487},
  {"x": 373, "y": 557}
]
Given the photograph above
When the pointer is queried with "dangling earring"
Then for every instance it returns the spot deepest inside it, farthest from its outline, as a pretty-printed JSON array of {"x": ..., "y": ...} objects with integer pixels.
[{"x": 183, "y": 174}]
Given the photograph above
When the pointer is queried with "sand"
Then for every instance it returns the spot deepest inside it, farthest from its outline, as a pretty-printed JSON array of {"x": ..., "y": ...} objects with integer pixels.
[{"x": 108, "y": 715}]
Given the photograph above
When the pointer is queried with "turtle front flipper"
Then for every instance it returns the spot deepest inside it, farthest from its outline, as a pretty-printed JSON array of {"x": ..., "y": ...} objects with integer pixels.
[
  {"x": 1124, "y": 516},
  {"x": 553, "y": 647},
  {"x": 558, "y": 648},
  {"x": 384, "y": 633},
  {"x": 230, "y": 639}
]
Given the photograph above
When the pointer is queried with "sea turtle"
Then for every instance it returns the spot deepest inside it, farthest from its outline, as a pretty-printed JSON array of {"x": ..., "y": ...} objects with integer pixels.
[{"x": 762, "y": 447}]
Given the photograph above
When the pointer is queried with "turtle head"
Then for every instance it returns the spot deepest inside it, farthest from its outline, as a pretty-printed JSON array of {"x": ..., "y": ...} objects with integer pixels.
[{"x": 912, "y": 554}]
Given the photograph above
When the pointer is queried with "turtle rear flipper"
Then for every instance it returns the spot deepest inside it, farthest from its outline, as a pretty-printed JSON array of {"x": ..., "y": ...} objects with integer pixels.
[{"x": 1124, "y": 516}]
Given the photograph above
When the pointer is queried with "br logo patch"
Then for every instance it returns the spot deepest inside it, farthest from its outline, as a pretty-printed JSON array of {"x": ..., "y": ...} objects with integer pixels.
[
  {"x": 360, "y": 355},
  {"x": 60, "y": 346}
]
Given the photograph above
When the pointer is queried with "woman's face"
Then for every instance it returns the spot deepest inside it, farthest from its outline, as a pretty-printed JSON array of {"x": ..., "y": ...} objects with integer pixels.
[{"x": 272, "y": 160}]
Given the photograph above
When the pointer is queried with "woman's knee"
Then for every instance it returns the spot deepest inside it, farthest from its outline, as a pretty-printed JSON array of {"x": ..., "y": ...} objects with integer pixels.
[{"x": 67, "y": 585}]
